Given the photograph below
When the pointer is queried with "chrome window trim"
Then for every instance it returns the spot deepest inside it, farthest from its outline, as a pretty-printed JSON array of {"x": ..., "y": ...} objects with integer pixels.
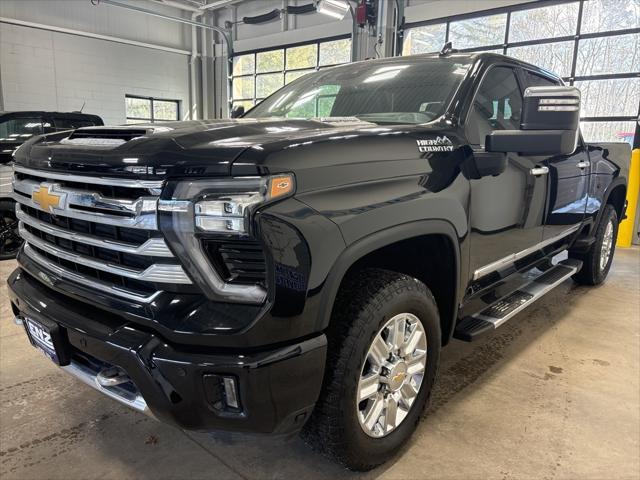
[
  {"x": 110, "y": 181},
  {"x": 157, "y": 273},
  {"x": 86, "y": 281},
  {"x": 498, "y": 264},
  {"x": 155, "y": 247}
]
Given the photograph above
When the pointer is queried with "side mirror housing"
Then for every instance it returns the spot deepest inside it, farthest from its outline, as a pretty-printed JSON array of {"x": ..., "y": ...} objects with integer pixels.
[
  {"x": 237, "y": 112},
  {"x": 550, "y": 124}
]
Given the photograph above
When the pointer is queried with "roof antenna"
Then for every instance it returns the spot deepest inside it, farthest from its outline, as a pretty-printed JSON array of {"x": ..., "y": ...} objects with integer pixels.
[
  {"x": 82, "y": 107},
  {"x": 447, "y": 49}
]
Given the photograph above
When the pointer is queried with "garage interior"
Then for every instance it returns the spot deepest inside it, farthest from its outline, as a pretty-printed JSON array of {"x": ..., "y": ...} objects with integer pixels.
[{"x": 555, "y": 393}]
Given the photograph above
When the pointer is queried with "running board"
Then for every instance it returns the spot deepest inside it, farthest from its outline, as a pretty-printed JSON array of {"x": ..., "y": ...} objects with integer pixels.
[{"x": 470, "y": 328}]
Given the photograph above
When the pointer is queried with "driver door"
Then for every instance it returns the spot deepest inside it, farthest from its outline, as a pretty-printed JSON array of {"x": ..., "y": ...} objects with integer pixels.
[{"x": 506, "y": 211}]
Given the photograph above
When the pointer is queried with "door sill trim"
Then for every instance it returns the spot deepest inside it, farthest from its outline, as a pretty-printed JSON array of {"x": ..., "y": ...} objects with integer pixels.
[{"x": 498, "y": 264}]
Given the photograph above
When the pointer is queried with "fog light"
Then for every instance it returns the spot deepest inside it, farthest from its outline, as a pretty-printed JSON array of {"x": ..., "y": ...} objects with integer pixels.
[{"x": 231, "y": 392}]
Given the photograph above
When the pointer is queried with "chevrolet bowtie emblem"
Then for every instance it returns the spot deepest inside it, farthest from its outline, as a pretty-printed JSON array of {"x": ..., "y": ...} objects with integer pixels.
[{"x": 46, "y": 199}]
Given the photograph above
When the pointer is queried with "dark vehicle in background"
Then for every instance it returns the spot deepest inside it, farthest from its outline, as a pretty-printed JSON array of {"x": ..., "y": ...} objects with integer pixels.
[
  {"x": 300, "y": 268},
  {"x": 15, "y": 129}
]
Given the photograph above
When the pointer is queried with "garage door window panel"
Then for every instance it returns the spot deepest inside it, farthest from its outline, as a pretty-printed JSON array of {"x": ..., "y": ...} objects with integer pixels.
[
  {"x": 610, "y": 15},
  {"x": 555, "y": 57},
  {"x": 610, "y": 97},
  {"x": 268, "y": 83},
  {"x": 478, "y": 32},
  {"x": 427, "y": 39},
  {"x": 270, "y": 61},
  {"x": 608, "y": 55},
  {"x": 542, "y": 23},
  {"x": 335, "y": 52},
  {"x": 304, "y": 56}
]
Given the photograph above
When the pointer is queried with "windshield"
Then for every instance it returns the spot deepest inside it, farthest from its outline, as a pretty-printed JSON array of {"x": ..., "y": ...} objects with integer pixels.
[{"x": 415, "y": 90}]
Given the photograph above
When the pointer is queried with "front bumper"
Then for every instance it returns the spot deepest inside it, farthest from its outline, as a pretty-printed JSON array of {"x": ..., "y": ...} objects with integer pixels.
[{"x": 277, "y": 388}]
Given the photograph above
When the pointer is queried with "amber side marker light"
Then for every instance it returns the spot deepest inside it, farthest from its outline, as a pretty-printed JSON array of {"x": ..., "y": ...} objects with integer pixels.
[{"x": 280, "y": 186}]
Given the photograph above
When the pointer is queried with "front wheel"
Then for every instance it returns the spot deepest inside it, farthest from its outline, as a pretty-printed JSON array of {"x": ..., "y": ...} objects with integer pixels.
[
  {"x": 384, "y": 348},
  {"x": 10, "y": 241},
  {"x": 596, "y": 262}
]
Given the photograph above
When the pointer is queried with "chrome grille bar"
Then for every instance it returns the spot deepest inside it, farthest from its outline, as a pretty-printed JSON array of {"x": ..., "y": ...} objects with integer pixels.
[
  {"x": 111, "y": 181},
  {"x": 155, "y": 247},
  {"x": 86, "y": 281},
  {"x": 158, "y": 273},
  {"x": 140, "y": 213}
]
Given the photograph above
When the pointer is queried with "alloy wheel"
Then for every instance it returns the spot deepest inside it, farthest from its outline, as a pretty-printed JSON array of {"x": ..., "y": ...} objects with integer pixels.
[{"x": 391, "y": 375}]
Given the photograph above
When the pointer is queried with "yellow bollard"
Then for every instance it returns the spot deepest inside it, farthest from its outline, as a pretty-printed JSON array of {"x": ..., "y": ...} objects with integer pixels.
[{"x": 625, "y": 232}]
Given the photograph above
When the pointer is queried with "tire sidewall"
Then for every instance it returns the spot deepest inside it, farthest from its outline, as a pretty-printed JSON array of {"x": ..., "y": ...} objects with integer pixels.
[
  {"x": 380, "y": 449},
  {"x": 7, "y": 205},
  {"x": 609, "y": 215}
]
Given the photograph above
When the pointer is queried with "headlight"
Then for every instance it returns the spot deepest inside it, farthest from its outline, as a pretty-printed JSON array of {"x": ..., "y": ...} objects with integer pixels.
[
  {"x": 193, "y": 211},
  {"x": 229, "y": 209}
]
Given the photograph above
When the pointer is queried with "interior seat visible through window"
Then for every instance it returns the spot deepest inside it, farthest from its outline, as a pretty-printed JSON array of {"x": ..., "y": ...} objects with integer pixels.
[{"x": 497, "y": 105}]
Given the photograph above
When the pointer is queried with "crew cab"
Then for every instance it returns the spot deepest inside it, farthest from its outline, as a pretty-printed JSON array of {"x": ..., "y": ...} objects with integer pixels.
[{"x": 300, "y": 268}]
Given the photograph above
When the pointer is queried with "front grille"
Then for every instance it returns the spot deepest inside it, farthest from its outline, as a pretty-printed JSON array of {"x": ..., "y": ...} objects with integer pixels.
[
  {"x": 239, "y": 261},
  {"x": 110, "y": 191},
  {"x": 100, "y": 234}
]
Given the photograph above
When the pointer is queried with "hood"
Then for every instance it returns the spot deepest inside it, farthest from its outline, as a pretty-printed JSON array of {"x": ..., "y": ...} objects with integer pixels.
[{"x": 178, "y": 149}]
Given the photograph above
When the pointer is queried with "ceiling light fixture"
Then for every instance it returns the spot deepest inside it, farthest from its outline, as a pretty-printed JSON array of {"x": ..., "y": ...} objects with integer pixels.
[{"x": 334, "y": 8}]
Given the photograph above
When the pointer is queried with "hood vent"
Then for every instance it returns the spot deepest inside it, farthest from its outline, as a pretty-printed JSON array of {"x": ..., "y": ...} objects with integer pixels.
[{"x": 104, "y": 136}]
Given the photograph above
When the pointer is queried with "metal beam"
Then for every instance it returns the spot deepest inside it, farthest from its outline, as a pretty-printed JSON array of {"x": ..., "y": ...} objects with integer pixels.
[{"x": 81, "y": 33}]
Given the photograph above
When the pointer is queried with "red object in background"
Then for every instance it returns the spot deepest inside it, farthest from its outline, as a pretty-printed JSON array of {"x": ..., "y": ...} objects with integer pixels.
[{"x": 361, "y": 13}]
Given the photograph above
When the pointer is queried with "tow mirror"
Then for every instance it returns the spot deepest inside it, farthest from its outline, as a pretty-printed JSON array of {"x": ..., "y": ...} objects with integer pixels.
[
  {"x": 550, "y": 124},
  {"x": 237, "y": 112}
]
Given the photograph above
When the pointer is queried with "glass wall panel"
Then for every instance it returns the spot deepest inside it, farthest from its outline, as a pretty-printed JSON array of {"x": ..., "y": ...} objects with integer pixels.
[
  {"x": 478, "y": 32},
  {"x": 335, "y": 52},
  {"x": 610, "y": 15},
  {"x": 546, "y": 22},
  {"x": 427, "y": 39},
  {"x": 555, "y": 57}
]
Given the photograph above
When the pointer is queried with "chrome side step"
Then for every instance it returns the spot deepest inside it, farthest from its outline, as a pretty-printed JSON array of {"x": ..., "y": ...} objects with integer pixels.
[{"x": 472, "y": 327}]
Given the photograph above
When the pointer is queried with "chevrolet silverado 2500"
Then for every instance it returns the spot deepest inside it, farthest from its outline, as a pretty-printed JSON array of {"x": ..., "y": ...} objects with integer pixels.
[{"x": 300, "y": 268}]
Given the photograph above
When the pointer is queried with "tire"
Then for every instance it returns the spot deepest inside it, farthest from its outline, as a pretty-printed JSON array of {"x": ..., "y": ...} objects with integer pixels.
[
  {"x": 594, "y": 267},
  {"x": 10, "y": 241},
  {"x": 363, "y": 307}
]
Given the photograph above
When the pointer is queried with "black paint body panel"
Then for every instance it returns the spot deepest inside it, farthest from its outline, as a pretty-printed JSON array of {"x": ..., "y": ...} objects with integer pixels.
[{"x": 360, "y": 187}]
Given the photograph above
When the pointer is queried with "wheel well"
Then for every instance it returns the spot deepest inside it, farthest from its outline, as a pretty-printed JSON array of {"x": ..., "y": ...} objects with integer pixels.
[
  {"x": 617, "y": 198},
  {"x": 429, "y": 258}
]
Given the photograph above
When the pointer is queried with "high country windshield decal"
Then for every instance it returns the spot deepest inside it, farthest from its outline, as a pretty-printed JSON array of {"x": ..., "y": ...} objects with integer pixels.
[{"x": 438, "y": 144}]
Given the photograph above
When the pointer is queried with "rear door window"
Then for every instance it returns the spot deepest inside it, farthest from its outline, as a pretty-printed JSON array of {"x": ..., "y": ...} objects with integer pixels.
[
  {"x": 20, "y": 129},
  {"x": 71, "y": 124}
]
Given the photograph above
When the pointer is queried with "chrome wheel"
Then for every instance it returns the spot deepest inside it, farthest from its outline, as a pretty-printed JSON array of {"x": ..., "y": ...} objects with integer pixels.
[
  {"x": 392, "y": 374},
  {"x": 607, "y": 245}
]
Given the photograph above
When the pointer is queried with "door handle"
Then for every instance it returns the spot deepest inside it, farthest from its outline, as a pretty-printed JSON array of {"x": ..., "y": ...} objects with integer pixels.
[
  {"x": 583, "y": 164},
  {"x": 539, "y": 171}
]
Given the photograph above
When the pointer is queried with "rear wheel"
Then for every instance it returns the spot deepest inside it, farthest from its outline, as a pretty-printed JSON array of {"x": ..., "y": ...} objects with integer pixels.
[
  {"x": 10, "y": 241},
  {"x": 596, "y": 262},
  {"x": 384, "y": 348}
]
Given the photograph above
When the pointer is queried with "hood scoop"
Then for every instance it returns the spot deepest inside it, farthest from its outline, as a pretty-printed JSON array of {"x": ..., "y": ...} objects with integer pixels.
[{"x": 108, "y": 136}]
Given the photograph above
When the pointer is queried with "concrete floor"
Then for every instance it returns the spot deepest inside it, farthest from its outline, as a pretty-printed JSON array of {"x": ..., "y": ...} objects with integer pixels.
[{"x": 555, "y": 393}]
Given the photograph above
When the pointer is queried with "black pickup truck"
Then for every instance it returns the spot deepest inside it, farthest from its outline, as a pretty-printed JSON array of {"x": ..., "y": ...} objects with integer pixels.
[{"x": 300, "y": 268}]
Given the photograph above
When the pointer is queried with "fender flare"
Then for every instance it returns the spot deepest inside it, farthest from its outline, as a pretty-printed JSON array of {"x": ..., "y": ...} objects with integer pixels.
[
  {"x": 383, "y": 238},
  {"x": 615, "y": 183}
]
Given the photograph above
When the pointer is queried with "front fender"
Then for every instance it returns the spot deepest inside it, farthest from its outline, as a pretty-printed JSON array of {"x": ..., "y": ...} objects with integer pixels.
[{"x": 380, "y": 239}]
